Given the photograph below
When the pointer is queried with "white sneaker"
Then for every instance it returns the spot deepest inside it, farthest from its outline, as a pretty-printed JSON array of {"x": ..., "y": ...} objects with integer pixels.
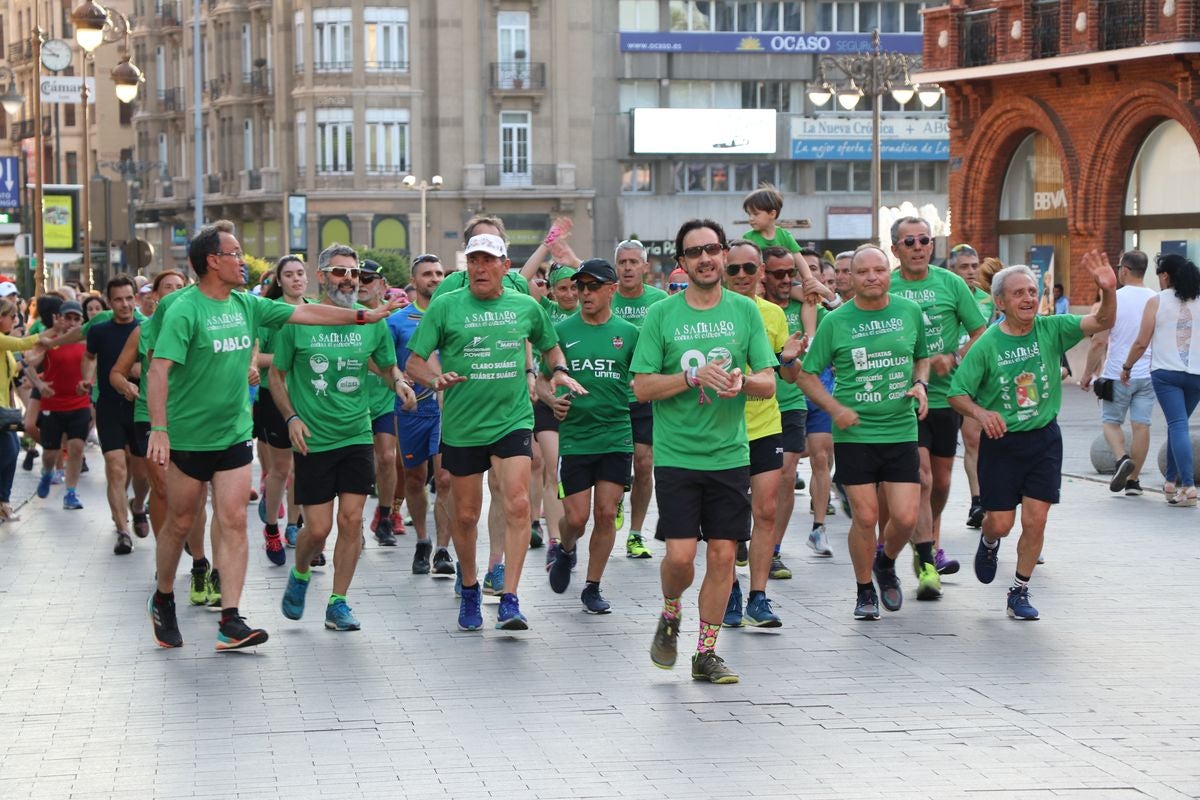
[{"x": 819, "y": 543}]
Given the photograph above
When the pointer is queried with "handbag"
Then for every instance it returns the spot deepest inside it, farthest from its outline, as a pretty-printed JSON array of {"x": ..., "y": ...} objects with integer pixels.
[
  {"x": 1103, "y": 387},
  {"x": 12, "y": 419}
]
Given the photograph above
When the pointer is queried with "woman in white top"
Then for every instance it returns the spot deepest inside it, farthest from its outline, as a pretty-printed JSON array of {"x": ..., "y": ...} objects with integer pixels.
[{"x": 1171, "y": 321}]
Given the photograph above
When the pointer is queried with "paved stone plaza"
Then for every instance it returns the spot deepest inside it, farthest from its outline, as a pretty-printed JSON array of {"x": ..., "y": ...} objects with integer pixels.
[{"x": 944, "y": 699}]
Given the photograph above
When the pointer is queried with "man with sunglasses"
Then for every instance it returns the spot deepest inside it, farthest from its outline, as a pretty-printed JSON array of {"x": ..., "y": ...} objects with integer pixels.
[
  {"x": 420, "y": 431},
  {"x": 689, "y": 362},
  {"x": 480, "y": 335},
  {"x": 947, "y": 307},
  {"x": 595, "y": 432},
  {"x": 631, "y": 302},
  {"x": 198, "y": 381},
  {"x": 677, "y": 281}
]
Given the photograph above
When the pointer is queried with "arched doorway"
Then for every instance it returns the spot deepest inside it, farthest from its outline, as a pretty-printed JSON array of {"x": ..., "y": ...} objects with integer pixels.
[
  {"x": 1163, "y": 195},
  {"x": 1032, "y": 220}
]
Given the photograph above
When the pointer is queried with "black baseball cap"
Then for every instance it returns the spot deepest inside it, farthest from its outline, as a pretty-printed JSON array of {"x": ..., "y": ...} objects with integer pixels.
[
  {"x": 369, "y": 267},
  {"x": 596, "y": 268}
]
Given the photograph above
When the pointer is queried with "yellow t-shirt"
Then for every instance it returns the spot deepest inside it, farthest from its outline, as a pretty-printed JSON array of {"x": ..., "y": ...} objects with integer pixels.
[{"x": 762, "y": 414}]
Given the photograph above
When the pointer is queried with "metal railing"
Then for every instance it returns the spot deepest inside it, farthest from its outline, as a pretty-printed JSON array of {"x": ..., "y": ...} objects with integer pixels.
[
  {"x": 518, "y": 76},
  {"x": 333, "y": 66},
  {"x": 386, "y": 66},
  {"x": 170, "y": 99},
  {"x": 261, "y": 82},
  {"x": 167, "y": 14},
  {"x": 254, "y": 181},
  {"x": 977, "y": 39},
  {"x": 1046, "y": 30},
  {"x": 20, "y": 51},
  {"x": 518, "y": 173},
  {"x": 166, "y": 188},
  {"x": 212, "y": 184},
  {"x": 215, "y": 87},
  {"x": 1122, "y": 24}
]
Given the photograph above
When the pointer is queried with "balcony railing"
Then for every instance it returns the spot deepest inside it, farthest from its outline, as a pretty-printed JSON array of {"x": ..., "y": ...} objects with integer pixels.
[
  {"x": 20, "y": 51},
  {"x": 166, "y": 189},
  {"x": 977, "y": 39},
  {"x": 518, "y": 76},
  {"x": 333, "y": 66},
  {"x": 260, "y": 82},
  {"x": 215, "y": 88},
  {"x": 254, "y": 181},
  {"x": 1045, "y": 29},
  {"x": 1122, "y": 24},
  {"x": 22, "y": 129},
  {"x": 170, "y": 99},
  {"x": 167, "y": 14},
  {"x": 212, "y": 184},
  {"x": 387, "y": 66},
  {"x": 515, "y": 173}
]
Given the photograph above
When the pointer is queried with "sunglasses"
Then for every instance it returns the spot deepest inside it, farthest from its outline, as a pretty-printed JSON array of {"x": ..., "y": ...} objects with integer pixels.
[
  {"x": 782, "y": 274},
  {"x": 424, "y": 257},
  {"x": 750, "y": 268},
  {"x": 909, "y": 241},
  {"x": 677, "y": 287},
  {"x": 342, "y": 272},
  {"x": 588, "y": 286},
  {"x": 366, "y": 279},
  {"x": 713, "y": 249},
  {"x": 958, "y": 248}
]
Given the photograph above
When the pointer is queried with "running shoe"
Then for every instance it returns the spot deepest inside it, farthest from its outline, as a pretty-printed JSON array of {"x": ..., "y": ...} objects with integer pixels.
[
  {"x": 164, "y": 624},
  {"x": 593, "y": 601},
  {"x": 214, "y": 590},
  {"x": 1121, "y": 474},
  {"x": 779, "y": 570},
  {"x": 375, "y": 520},
  {"x": 986, "y": 561},
  {"x": 830, "y": 509},
  {"x": 59, "y": 477},
  {"x": 1018, "y": 604},
  {"x": 274, "y": 547},
  {"x": 262, "y": 507},
  {"x": 711, "y": 667},
  {"x": 889, "y": 586},
  {"x": 560, "y": 570},
  {"x": 124, "y": 545},
  {"x": 71, "y": 501},
  {"x": 818, "y": 542},
  {"x": 470, "y": 618},
  {"x": 929, "y": 583},
  {"x": 867, "y": 606},
  {"x": 293, "y": 597},
  {"x": 635, "y": 547},
  {"x": 510, "y": 617},
  {"x": 318, "y": 560},
  {"x": 665, "y": 647},
  {"x": 552, "y": 553},
  {"x": 198, "y": 587},
  {"x": 619, "y": 522},
  {"x": 733, "y": 608},
  {"x": 141, "y": 524},
  {"x": 83, "y": 465},
  {"x": 743, "y": 554},
  {"x": 760, "y": 615},
  {"x": 1041, "y": 559},
  {"x": 945, "y": 566},
  {"x": 235, "y": 634},
  {"x": 443, "y": 564},
  {"x": 43, "y": 487},
  {"x": 398, "y": 524},
  {"x": 290, "y": 534},
  {"x": 30, "y": 455},
  {"x": 1133, "y": 489},
  {"x": 493, "y": 581},
  {"x": 799, "y": 484},
  {"x": 458, "y": 579},
  {"x": 975, "y": 515},
  {"x": 535, "y": 535},
  {"x": 383, "y": 533},
  {"x": 420, "y": 565},
  {"x": 339, "y": 617}
]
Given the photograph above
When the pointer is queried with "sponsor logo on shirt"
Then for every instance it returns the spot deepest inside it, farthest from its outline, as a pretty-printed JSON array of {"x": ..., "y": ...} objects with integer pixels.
[
  {"x": 618, "y": 342},
  {"x": 1019, "y": 354},
  {"x": 875, "y": 327},
  {"x": 480, "y": 319},
  {"x": 337, "y": 339},
  {"x": 224, "y": 321},
  {"x": 704, "y": 330},
  {"x": 348, "y": 384}
]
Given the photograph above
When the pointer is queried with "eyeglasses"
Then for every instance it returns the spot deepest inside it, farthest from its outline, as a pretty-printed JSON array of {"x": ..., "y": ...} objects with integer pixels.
[
  {"x": 426, "y": 257},
  {"x": 366, "y": 279},
  {"x": 750, "y": 268},
  {"x": 909, "y": 241},
  {"x": 677, "y": 287},
  {"x": 238, "y": 254},
  {"x": 588, "y": 286},
  {"x": 713, "y": 249},
  {"x": 782, "y": 274},
  {"x": 342, "y": 272},
  {"x": 629, "y": 244}
]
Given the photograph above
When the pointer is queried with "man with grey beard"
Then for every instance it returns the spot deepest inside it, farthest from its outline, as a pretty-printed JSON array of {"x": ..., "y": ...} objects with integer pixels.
[{"x": 318, "y": 380}]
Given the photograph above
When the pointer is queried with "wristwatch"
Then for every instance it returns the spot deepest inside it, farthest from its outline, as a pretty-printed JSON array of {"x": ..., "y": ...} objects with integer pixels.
[{"x": 924, "y": 384}]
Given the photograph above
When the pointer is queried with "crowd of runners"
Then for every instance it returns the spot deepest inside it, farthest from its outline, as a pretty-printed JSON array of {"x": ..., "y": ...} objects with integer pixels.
[{"x": 580, "y": 390}]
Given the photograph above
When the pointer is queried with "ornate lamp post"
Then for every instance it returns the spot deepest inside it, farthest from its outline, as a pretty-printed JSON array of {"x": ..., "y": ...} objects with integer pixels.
[{"x": 433, "y": 184}]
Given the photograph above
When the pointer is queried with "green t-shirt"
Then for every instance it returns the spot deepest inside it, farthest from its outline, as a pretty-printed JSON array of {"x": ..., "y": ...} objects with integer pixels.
[
  {"x": 556, "y": 312},
  {"x": 484, "y": 342},
  {"x": 35, "y": 327},
  {"x": 947, "y": 304},
  {"x": 598, "y": 356},
  {"x": 458, "y": 280},
  {"x": 986, "y": 307},
  {"x": 782, "y": 239},
  {"x": 210, "y": 342},
  {"x": 675, "y": 337},
  {"x": 633, "y": 310},
  {"x": 873, "y": 354},
  {"x": 147, "y": 334},
  {"x": 788, "y": 395},
  {"x": 1019, "y": 377},
  {"x": 327, "y": 371}
]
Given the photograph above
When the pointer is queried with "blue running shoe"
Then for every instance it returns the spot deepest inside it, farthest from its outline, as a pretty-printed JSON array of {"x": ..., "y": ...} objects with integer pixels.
[
  {"x": 560, "y": 570},
  {"x": 986, "y": 561},
  {"x": 71, "y": 501},
  {"x": 43, "y": 489},
  {"x": 760, "y": 615},
  {"x": 470, "y": 618},
  {"x": 1018, "y": 604},
  {"x": 511, "y": 618},
  {"x": 59, "y": 477},
  {"x": 339, "y": 617},
  {"x": 593, "y": 601},
  {"x": 493, "y": 581},
  {"x": 290, "y": 534},
  {"x": 733, "y": 610},
  {"x": 458, "y": 579},
  {"x": 293, "y": 597}
]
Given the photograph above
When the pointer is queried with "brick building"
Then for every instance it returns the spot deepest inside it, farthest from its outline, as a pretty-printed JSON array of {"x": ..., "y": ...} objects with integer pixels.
[{"x": 1074, "y": 124}]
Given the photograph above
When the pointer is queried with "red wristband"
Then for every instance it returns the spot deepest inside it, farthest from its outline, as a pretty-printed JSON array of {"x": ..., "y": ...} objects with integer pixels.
[{"x": 360, "y": 317}]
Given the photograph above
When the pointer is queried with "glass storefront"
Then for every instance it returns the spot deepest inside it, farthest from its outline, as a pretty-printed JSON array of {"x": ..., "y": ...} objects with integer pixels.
[
  {"x": 1163, "y": 195},
  {"x": 1033, "y": 207}
]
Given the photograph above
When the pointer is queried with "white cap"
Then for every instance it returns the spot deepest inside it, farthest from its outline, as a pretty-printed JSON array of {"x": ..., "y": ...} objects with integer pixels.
[
  {"x": 487, "y": 243},
  {"x": 8, "y": 289}
]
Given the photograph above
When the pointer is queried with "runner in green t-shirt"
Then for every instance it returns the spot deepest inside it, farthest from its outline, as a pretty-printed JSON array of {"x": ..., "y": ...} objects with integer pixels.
[
  {"x": 198, "y": 380},
  {"x": 595, "y": 435},
  {"x": 481, "y": 334},
  {"x": 948, "y": 307},
  {"x": 631, "y": 303},
  {"x": 876, "y": 344},
  {"x": 1012, "y": 384},
  {"x": 319, "y": 381},
  {"x": 690, "y": 362}
]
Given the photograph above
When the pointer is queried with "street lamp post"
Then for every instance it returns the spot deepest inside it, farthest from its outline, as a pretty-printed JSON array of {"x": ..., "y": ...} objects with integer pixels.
[
  {"x": 433, "y": 184},
  {"x": 874, "y": 74},
  {"x": 131, "y": 173}
]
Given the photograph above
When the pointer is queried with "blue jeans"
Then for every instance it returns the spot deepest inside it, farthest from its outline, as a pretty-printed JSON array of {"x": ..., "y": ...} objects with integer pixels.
[
  {"x": 1178, "y": 394},
  {"x": 10, "y": 449}
]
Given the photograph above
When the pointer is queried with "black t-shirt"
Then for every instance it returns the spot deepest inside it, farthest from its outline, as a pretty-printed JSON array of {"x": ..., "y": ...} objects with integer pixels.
[{"x": 106, "y": 341}]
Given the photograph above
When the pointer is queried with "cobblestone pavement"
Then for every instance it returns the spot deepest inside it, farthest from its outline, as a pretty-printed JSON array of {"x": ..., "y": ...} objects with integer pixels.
[{"x": 945, "y": 699}]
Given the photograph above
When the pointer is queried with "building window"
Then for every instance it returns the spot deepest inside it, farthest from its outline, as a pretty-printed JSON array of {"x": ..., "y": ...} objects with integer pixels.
[
  {"x": 335, "y": 141},
  {"x": 637, "y": 177},
  {"x": 124, "y": 114},
  {"x": 301, "y": 142},
  {"x": 736, "y": 15},
  {"x": 164, "y": 153},
  {"x": 387, "y": 141},
  {"x": 741, "y": 177},
  {"x": 638, "y": 15},
  {"x": 865, "y": 16},
  {"x": 72, "y": 167},
  {"x": 299, "y": 22},
  {"x": 386, "y": 41},
  {"x": 782, "y": 96},
  {"x": 515, "y": 148},
  {"x": 332, "y": 49},
  {"x": 895, "y": 176},
  {"x": 704, "y": 94},
  {"x": 248, "y": 145},
  {"x": 843, "y": 176},
  {"x": 247, "y": 53},
  {"x": 512, "y": 29},
  {"x": 638, "y": 94},
  {"x": 909, "y": 176}
]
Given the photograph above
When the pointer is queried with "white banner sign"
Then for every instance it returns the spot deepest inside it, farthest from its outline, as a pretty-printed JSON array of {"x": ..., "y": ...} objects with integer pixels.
[
  {"x": 702, "y": 130},
  {"x": 63, "y": 89}
]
